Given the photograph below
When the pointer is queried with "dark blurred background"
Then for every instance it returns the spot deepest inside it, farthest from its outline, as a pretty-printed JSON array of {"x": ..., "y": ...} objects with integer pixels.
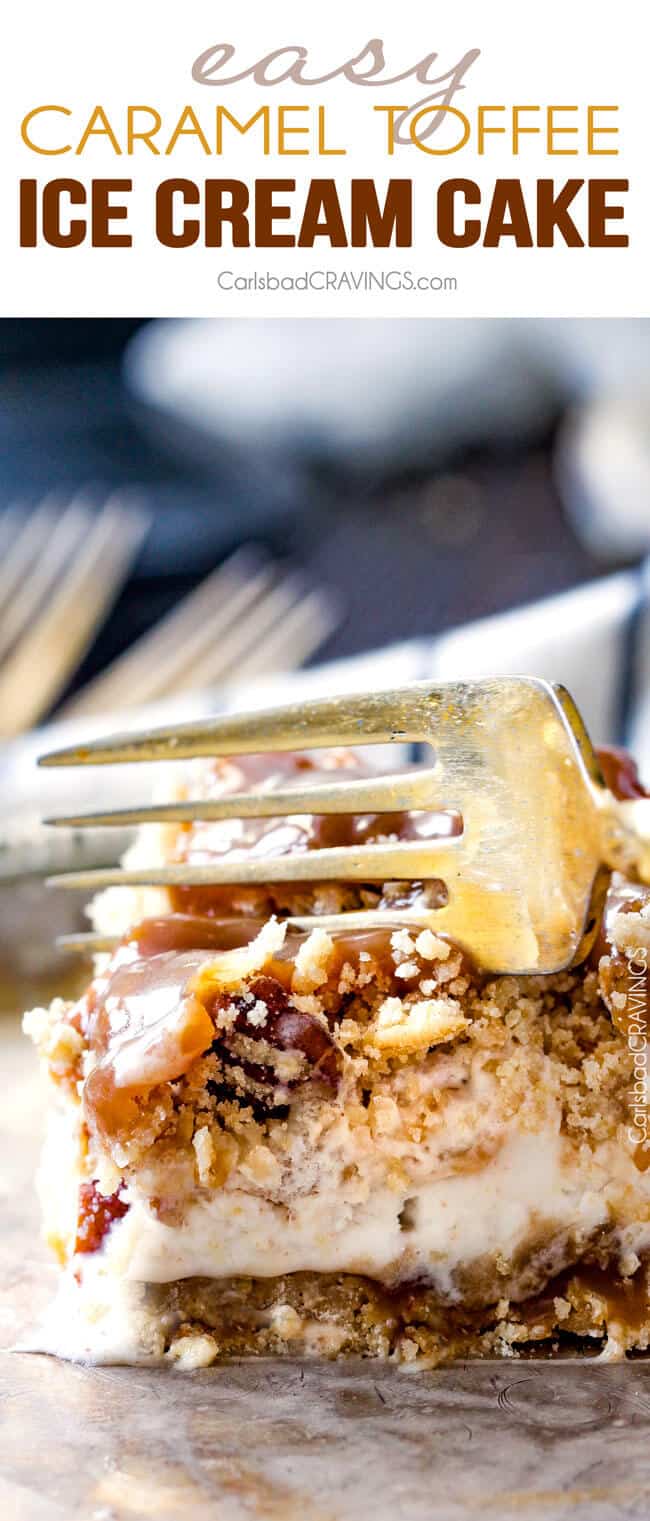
[
  {"x": 418, "y": 474},
  {"x": 489, "y": 500}
]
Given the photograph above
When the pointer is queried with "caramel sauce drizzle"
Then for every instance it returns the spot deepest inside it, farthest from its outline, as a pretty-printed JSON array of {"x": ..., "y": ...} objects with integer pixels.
[
  {"x": 143, "y": 1023},
  {"x": 146, "y": 1026}
]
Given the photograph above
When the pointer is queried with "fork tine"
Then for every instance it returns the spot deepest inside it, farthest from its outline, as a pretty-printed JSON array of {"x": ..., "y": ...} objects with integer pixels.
[
  {"x": 25, "y": 544},
  {"x": 365, "y": 718},
  {"x": 11, "y": 518},
  {"x": 38, "y": 669},
  {"x": 151, "y": 667},
  {"x": 46, "y": 564},
  {"x": 165, "y": 672},
  {"x": 304, "y": 628},
  {"x": 219, "y": 657},
  {"x": 366, "y": 863},
  {"x": 483, "y": 926},
  {"x": 381, "y": 794},
  {"x": 88, "y": 943}
]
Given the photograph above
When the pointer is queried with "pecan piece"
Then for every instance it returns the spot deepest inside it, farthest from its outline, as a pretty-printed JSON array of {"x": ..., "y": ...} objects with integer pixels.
[{"x": 265, "y": 1027}]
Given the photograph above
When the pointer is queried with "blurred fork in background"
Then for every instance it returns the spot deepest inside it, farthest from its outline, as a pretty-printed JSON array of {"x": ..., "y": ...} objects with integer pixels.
[
  {"x": 250, "y": 617},
  {"x": 61, "y": 568}
]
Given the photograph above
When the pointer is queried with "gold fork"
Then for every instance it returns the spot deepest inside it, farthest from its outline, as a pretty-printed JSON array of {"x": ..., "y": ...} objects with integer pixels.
[{"x": 525, "y": 878}]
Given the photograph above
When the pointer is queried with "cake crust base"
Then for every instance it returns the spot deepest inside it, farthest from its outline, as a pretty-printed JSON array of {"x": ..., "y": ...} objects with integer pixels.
[{"x": 590, "y": 1312}]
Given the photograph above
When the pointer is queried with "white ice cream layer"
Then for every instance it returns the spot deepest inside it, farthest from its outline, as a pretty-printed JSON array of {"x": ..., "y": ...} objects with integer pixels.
[{"x": 531, "y": 1188}]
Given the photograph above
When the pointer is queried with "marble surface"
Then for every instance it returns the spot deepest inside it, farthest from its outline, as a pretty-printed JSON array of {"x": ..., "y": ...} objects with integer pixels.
[{"x": 291, "y": 1441}]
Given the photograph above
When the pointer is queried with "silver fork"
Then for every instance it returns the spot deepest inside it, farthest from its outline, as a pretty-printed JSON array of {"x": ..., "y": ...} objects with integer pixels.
[
  {"x": 525, "y": 878},
  {"x": 249, "y": 617},
  {"x": 61, "y": 568}
]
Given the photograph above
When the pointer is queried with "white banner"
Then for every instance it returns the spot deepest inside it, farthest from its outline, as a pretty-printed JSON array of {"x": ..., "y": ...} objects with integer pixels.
[{"x": 324, "y": 160}]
